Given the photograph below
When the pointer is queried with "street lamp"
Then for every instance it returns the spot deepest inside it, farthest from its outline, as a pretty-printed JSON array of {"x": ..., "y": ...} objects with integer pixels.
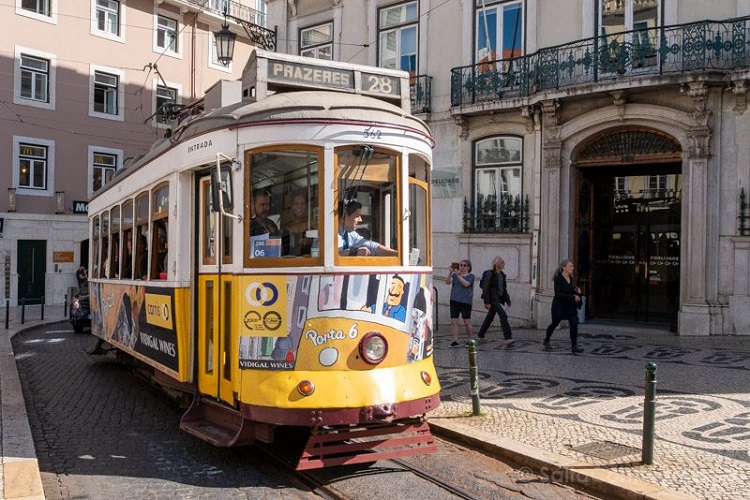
[{"x": 224, "y": 44}]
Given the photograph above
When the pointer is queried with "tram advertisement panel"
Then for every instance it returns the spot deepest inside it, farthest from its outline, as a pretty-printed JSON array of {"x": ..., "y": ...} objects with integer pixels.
[
  {"x": 138, "y": 319},
  {"x": 323, "y": 317}
]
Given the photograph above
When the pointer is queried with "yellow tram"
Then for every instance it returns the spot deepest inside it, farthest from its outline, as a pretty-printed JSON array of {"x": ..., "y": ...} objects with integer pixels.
[{"x": 271, "y": 258}]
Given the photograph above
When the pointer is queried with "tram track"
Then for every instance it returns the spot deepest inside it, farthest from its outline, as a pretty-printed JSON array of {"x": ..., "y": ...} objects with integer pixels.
[{"x": 441, "y": 477}]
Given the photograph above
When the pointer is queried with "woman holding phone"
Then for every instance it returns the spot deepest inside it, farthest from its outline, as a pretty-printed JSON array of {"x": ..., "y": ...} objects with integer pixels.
[{"x": 462, "y": 296}]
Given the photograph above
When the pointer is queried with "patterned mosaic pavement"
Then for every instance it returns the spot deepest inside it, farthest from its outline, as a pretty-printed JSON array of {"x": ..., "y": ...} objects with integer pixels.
[{"x": 590, "y": 407}]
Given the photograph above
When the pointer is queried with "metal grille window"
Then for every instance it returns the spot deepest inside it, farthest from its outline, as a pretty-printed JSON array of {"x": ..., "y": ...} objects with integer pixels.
[
  {"x": 398, "y": 37},
  {"x": 164, "y": 96},
  {"x": 34, "y": 78},
  {"x": 499, "y": 32},
  {"x": 108, "y": 16},
  {"x": 498, "y": 205},
  {"x": 105, "y": 93},
  {"x": 317, "y": 41},
  {"x": 39, "y": 6},
  {"x": 166, "y": 33},
  {"x": 103, "y": 168},
  {"x": 32, "y": 161}
]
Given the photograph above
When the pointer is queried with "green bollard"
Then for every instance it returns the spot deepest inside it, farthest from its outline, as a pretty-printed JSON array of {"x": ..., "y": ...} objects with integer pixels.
[
  {"x": 473, "y": 377},
  {"x": 649, "y": 415}
]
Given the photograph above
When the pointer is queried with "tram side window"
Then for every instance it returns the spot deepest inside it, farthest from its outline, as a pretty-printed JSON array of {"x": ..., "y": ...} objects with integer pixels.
[
  {"x": 114, "y": 255},
  {"x": 96, "y": 237},
  {"x": 419, "y": 212},
  {"x": 284, "y": 205},
  {"x": 367, "y": 199},
  {"x": 160, "y": 218},
  {"x": 141, "y": 236},
  {"x": 103, "y": 265},
  {"x": 127, "y": 238}
]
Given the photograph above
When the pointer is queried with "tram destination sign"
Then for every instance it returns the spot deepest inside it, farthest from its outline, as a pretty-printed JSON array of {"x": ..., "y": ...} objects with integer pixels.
[{"x": 308, "y": 75}]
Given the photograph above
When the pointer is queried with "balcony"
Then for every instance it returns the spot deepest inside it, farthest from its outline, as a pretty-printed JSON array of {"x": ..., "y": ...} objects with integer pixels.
[
  {"x": 235, "y": 10},
  {"x": 508, "y": 214},
  {"x": 420, "y": 91},
  {"x": 715, "y": 46}
]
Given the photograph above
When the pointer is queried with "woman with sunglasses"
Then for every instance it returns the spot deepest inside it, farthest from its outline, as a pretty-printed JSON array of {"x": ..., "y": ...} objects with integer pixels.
[{"x": 462, "y": 295}]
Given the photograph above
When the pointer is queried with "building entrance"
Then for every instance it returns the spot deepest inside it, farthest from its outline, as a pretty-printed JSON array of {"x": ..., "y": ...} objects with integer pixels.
[{"x": 629, "y": 242}]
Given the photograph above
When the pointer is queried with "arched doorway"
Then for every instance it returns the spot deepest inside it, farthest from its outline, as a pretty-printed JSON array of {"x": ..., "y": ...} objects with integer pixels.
[{"x": 627, "y": 226}]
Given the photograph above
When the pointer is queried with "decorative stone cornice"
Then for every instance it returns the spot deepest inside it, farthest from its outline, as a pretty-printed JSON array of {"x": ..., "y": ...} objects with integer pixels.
[
  {"x": 463, "y": 123},
  {"x": 739, "y": 90},
  {"x": 618, "y": 100},
  {"x": 532, "y": 117}
]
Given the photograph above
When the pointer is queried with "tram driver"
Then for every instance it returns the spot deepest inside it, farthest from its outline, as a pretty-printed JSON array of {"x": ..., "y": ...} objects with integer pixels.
[{"x": 350, "y": 242}]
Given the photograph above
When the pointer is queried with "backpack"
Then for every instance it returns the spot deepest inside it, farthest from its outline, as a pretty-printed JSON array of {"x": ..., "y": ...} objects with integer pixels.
[{"x": 484, "y": 281}]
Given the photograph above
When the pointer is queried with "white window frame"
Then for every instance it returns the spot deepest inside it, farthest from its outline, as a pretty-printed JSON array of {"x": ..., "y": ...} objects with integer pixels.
[
  {"x": 121, "y": 22},
  {"x": 49, "y": 188},
  {"x": 158, "y": 28},
  {"x": 480, "y": 42},
  {"x": 97, "y": 149},
  {"x": 313, "y": 49},
  {"x": 178, "y": 99},
  {"x": 51, "y": 18},
  {"x": 398, "y": 29},
  {"x": 51, "y": 75},
  {"x": 213, "y": 61},
  {"x": 120, "y": 116},
  {"x": 499, "y": 165}
]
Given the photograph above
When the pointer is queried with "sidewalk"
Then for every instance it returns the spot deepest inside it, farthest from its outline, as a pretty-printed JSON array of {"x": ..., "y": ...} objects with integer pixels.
[
  {"x": 579, "y": 419},
  {"x": 20, "y": 476}
]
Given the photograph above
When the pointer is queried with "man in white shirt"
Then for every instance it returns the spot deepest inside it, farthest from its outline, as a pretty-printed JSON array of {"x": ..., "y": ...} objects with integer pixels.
[{"x": 350, "y": 241}]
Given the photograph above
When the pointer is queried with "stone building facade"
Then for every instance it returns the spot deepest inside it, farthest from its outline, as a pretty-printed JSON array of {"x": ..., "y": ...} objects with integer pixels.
[
  {"x": 610, "y": 132},
  {"x": 85, "y": 87}
]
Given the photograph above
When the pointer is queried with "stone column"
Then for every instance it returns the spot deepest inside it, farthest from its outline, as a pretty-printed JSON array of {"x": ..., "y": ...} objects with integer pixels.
[
  {"x": 694, "y": 316},
  {"x": 551, "y": 223}
]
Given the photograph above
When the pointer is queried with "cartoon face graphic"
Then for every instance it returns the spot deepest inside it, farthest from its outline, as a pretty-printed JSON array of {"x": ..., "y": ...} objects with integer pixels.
[{"x": 395, "y": 291}]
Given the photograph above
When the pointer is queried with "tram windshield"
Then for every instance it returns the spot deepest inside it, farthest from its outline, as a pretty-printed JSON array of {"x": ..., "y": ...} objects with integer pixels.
[{"x": 367, "y": 202}]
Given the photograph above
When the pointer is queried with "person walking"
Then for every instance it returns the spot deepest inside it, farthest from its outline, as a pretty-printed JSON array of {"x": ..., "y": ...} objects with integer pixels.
[
  {"x": 82, "y": 276},
  {"x": 565, "y": 305},
  {"x": 462, "y": 295},
  {"x": 495, "y": 296}
]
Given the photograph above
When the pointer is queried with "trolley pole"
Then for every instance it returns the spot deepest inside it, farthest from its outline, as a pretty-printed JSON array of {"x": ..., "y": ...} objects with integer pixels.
[
  {"x": 649, "y": 415},
  {"x": 474, "y": 377}
]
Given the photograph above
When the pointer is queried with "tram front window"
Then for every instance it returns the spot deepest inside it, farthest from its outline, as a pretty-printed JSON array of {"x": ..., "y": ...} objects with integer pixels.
[
  {"x": 284, "y": 204},
  {"x": 367, "y": 202}
]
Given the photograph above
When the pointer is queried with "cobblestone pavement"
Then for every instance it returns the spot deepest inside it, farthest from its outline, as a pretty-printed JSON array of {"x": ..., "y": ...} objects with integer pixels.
[
  {"x": 589, "y": 407},
  {"x": 584, "y": 411}
]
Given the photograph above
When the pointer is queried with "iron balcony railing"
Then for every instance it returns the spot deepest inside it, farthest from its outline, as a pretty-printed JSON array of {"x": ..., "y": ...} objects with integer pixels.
[
  {"x": 234, "y": 10},
  {"x": 420, "y": 91},
  {"x": 506, "y": 214},
  {"x": 705, "y": 45}
]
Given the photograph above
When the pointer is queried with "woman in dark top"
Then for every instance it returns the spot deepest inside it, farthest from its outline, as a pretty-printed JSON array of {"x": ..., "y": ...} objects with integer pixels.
[{"x": 565, "y": 305}]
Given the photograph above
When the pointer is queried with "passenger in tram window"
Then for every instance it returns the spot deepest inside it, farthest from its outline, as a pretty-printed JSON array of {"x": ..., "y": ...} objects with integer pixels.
[
  {"x": 127, "y": 256},
  {"x": 160, "y": 249},
  {"x": 141, "y": 269},
  {"x": 294, "y": 238},
  {"x": 350, "y": 242},
  {"x": 260, "y": 223}
]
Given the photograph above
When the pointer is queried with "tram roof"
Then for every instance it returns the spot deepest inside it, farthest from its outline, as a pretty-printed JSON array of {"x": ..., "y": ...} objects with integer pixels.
[
  {"x": 284, "y": 107},
  {"x": 303, "y": 106}
]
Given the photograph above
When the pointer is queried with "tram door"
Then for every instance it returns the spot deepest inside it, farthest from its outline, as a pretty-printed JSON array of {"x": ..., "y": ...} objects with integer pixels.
[{"x": 214, "y": 301}]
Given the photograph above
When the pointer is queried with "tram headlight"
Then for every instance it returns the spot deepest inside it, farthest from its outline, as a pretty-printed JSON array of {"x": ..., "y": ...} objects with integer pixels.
[
  {"x": 426, "y": 378},
  {"x": 373, "y": 348},
  {"x": 305, "y": 388}
]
